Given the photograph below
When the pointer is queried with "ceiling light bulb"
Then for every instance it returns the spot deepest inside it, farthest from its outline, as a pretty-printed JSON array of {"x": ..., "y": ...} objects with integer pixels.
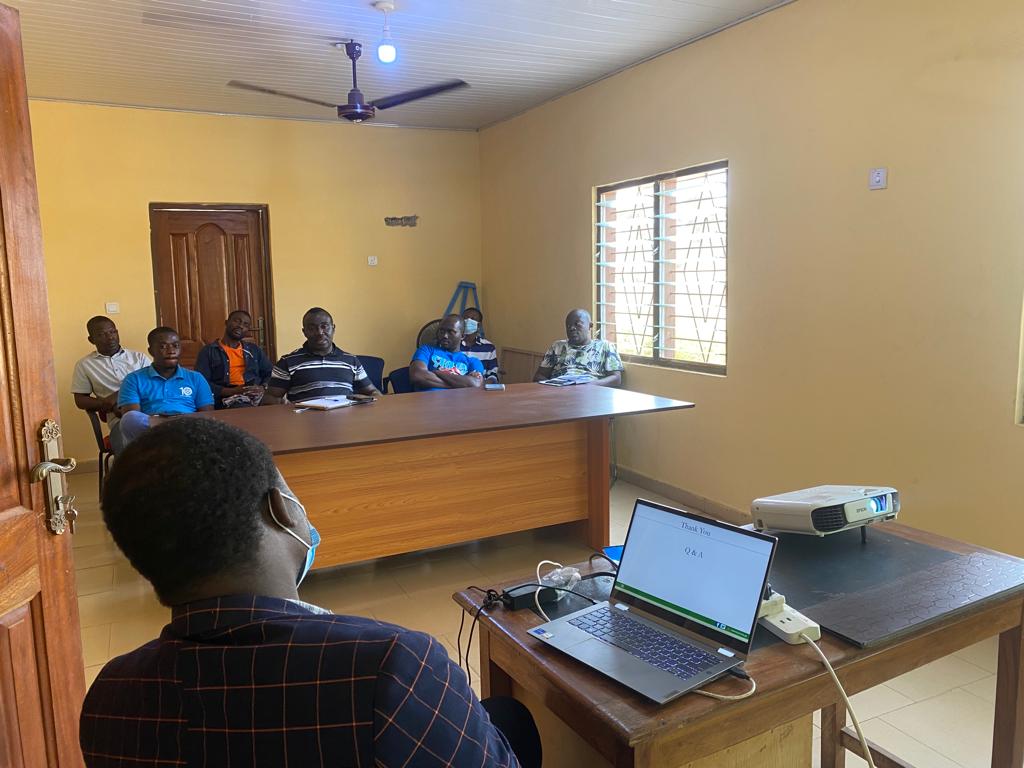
[{"x": 386, "y": 50}]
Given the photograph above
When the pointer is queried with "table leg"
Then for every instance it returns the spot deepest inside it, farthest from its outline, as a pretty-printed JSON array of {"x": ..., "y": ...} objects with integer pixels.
[
  {"x": 598, "y": 483},
  {"x": 1008, "y": 733},
  {"x": 833, "y": 753},
  {"x": 493, "y": 679}
]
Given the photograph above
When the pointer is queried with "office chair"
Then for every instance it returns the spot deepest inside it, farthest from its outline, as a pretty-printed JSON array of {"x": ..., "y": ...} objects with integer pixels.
[
  {"x": 374, "y": 367},
  {"x": 399, "y": 381},
  {"x": 106, "y": 453}
]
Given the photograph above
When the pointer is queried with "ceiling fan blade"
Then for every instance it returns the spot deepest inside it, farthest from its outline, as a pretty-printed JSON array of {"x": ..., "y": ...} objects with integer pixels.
[
  {"x": 419, "y": 93},
  {"x": 272, "y": 92}
]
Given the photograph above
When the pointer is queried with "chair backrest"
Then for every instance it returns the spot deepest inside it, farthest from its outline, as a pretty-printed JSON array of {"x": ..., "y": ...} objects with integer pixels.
[
  {"x": 399, "y": 381},
  {"x": 428, "y": 333},
  {"x": 374, "y": 367},
  {"x": 97, "y": 432}
]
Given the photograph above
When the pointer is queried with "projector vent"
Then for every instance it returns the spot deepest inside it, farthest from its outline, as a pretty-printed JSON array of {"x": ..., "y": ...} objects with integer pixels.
[{"x": 828, "y": 519}]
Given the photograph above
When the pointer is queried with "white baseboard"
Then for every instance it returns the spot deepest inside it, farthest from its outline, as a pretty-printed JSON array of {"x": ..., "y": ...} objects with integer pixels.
[{"x": 696, "y": 502}]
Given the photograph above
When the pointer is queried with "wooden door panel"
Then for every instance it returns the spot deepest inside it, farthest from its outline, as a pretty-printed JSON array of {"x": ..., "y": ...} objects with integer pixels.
[
  {"x": 41, "y": 674},
  {"x": 206, "y": 263},
  {"x": 23, "y": 721}
]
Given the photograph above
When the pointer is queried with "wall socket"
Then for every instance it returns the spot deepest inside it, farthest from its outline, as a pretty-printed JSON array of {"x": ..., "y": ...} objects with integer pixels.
[
  {"x": 113, "y": 308},
  {"x": 878, "y": 178},
  {"x": 371, "y": 261}
]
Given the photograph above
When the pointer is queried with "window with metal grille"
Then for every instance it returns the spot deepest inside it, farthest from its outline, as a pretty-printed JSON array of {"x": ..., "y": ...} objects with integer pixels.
[{"x": 661, "y": 268}]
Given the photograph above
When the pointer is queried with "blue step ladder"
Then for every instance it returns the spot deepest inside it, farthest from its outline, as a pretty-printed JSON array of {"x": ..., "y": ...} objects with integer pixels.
[{"x": 461, "y": 296}]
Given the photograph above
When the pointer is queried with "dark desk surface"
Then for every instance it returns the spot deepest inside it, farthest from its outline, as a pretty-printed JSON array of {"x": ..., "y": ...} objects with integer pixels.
[{"x": 435, "y": 414}]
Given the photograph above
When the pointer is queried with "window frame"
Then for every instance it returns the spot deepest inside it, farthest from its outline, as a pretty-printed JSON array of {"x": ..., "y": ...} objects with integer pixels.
[{"x": 658, "y": 303}]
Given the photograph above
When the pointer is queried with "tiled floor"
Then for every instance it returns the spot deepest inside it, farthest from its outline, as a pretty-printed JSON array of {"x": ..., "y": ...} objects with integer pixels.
[{"x": 938, "y": 716}]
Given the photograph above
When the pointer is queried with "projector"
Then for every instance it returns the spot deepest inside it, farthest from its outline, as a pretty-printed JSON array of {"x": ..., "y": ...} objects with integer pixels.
[{"x": 825, "y": 509}]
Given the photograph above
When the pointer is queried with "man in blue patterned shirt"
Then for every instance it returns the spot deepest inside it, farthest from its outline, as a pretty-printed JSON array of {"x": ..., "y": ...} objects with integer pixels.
[{"x": 246, "y": 674}]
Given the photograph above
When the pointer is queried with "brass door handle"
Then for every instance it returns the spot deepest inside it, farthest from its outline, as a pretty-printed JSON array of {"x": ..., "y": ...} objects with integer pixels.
[{"x": 44, "y": 468}]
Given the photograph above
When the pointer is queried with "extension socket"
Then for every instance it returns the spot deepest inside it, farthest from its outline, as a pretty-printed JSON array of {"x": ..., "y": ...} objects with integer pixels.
[
  {"x": 790, "y": 624},
  {"x": 772, "y": 605}
]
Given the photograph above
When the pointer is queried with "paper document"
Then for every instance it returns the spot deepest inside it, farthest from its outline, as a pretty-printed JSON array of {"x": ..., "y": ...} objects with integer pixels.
[{"x": 325, "y": 403}]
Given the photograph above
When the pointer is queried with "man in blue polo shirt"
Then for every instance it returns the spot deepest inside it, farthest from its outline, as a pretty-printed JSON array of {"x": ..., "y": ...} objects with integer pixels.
[
  {"x": 443, "y": 366},
  {"x": 162, "y": 389}
]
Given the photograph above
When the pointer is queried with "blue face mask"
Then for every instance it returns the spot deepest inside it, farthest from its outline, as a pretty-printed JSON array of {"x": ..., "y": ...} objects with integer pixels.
[
  {"x": 472, "y": 326},
  {"x": 311, "y": 545}
]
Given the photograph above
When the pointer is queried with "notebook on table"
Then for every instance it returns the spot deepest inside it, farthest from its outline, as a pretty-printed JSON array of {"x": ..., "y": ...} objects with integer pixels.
[{"x": 683, "y": 607}]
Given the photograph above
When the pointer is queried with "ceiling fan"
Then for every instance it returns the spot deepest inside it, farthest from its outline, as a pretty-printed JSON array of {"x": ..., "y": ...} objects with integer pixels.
[{"x": 357, "y": 109}]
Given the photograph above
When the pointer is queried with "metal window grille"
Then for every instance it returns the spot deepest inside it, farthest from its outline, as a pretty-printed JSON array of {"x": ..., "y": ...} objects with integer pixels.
[{"x": 661, "y": 268}]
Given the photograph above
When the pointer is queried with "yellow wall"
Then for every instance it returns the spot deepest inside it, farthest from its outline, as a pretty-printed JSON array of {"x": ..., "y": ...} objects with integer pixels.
[
  {"x": 329, "y": 187},
  {"x": 873, "y": 336}
]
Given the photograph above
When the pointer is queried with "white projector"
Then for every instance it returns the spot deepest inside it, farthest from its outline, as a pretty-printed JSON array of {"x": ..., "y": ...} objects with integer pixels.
[{"x": 825, "y": 509}]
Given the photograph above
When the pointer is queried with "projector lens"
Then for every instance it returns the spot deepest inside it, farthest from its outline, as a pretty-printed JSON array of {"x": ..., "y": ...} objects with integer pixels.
[{"x": 873, "y": 505}]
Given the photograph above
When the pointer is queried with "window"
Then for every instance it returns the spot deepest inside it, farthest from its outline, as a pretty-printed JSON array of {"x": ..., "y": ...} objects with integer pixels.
[{"x": 661, "y": 268}]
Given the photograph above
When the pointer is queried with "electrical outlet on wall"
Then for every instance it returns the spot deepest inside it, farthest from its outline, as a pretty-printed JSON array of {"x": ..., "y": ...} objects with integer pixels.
[
  {"x": 878, "y": 178},
  {"x": 113, "y": 308},
  {"x": 371, "y": 261}
]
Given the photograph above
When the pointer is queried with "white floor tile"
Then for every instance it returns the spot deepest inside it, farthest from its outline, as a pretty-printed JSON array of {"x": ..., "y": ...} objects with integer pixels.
[
  {"x": 955, "y": 724},
  {"x": 932, "y": 679},
  {"x": 983, "y": 689},
  {"x": 984, "y": 654}
]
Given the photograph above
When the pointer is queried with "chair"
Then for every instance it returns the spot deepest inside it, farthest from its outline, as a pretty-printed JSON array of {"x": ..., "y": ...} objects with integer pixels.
[
  {"x": 374, "y": 367},
  {"x": 103, "y": 444},
  {"x": 428, "y": 333},
  {"x": 399, "y": 381}
]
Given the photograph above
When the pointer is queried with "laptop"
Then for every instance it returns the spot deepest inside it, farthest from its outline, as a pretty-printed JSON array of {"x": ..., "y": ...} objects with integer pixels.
[{"x": 682, "y": 610}]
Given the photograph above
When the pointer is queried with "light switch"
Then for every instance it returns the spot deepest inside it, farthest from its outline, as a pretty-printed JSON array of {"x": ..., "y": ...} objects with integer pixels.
[
  {"x": 113, "y": 308},
  {"x": 371, "y": 261},
  {"x": 878, "y": 178}
]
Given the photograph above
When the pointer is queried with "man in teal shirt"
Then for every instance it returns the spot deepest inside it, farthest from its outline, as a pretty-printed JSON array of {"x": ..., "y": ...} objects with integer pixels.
[
  {"x": 442, "y": 365},
  {"x": 162, "y": 389}
]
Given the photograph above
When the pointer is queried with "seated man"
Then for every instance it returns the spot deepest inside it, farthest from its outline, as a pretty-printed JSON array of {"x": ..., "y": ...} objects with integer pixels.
[
  {"x": 163, "y": 389},
  {"x": 237, "y": 370},
  {"x": 317, "y": 368},
  {"x": 443, "y": 366},
  {"x": 98, "y": 376},
  {"x": 475, "y": 345},
  {"x": 581, "y": 358},
  {"x": 246, "y": 673}
]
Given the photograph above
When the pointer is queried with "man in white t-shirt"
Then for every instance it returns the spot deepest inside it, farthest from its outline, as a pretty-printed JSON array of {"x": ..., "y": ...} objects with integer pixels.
[{"x": 98, "y": 376}]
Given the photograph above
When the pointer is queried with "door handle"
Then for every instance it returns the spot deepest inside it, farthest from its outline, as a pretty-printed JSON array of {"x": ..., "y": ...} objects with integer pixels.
[
  {"x": 60, "y": 509},
  {"x": 42, "y": 470},
  {"x": 261, "y": 332}
]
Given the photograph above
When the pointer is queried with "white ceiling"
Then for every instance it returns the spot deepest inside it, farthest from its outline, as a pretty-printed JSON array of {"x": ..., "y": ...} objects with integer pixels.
[{"x": 515, "y": 54}]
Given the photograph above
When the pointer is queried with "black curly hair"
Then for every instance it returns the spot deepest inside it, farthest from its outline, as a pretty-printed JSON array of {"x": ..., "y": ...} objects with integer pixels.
[{"x": 182, "y": 502}]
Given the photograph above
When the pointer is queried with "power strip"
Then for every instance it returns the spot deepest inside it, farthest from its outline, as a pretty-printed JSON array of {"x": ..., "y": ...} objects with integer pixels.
[{"x": 789, "y": 624}]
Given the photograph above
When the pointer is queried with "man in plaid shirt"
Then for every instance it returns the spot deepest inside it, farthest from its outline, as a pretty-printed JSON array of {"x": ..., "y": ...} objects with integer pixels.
[{"x": 246, "y": 674}]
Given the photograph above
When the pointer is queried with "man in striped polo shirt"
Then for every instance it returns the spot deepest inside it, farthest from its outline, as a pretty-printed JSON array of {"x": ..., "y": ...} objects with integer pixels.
[
  {"x": 475, "y": 345},
  {"x": 317, "y": 368}
]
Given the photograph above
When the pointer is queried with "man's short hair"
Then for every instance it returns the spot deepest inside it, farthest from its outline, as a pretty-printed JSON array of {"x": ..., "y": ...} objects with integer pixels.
[
  {"x": 317, "y": 311},
  {"x": 92, "y": 322},
  {"x": 184, "y": 499},
  {"x": 157, "y": 332},
  {"x": 234, "y": 312},
  {"x": 473, "y": 309}
]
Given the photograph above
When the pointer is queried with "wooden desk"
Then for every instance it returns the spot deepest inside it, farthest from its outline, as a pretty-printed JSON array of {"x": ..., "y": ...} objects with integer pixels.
[
  {"x": 627, "y": 730},
  {"x": 423, "y": 470}
]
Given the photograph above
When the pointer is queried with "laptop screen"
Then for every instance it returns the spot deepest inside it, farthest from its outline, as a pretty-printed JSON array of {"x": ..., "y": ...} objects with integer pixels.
[{"x": 702, "y": 574}]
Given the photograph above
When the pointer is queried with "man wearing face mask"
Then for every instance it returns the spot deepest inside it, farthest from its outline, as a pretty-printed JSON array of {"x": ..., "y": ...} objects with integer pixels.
[
  {"x": 475, "y": 345},
  {"x": 246, "y": 673}
]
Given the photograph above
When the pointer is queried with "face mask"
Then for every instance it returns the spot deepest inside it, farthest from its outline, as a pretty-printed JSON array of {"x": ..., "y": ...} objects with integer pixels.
[
  {"x": 471, "y": 325},
  {"x": 314, "y": 537}
]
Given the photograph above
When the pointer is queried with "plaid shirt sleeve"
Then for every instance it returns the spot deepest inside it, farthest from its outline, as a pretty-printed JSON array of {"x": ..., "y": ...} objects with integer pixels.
[{"x": 425, "y": 713}]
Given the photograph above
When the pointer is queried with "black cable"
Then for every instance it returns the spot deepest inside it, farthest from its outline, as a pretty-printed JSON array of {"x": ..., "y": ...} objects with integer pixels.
[
  {"x": 469, "y": 643},
  {"x": 559, "y": 589},
  {"x": 590, "y": 560},
  {"x": 491, "y": 597}
]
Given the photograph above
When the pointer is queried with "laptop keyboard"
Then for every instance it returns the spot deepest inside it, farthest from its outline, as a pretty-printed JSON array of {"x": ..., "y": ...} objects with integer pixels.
[{"x": 646, "y": 643}]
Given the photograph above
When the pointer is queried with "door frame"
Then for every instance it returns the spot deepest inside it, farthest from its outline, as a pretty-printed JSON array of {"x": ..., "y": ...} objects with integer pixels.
[{"x": 262, "y": 210}]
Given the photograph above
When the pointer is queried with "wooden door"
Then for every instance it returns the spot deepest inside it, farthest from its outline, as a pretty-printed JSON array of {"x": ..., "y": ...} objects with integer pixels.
[
  {"x": 207, "y": 261},
  {"x": 42, "y": 682}
]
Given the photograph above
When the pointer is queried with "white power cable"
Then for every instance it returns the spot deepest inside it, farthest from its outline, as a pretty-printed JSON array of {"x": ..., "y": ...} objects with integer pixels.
[
  {"x": 536, "y": 594},
  {"x": 846, "y": 699},
  {"x": 723, "y": 697}
]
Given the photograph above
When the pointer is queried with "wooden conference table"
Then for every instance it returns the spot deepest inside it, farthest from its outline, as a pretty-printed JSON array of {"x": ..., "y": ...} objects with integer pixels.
[
  {"x": 409, "y": 472},
  {"x": 585, "y": 717}
]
